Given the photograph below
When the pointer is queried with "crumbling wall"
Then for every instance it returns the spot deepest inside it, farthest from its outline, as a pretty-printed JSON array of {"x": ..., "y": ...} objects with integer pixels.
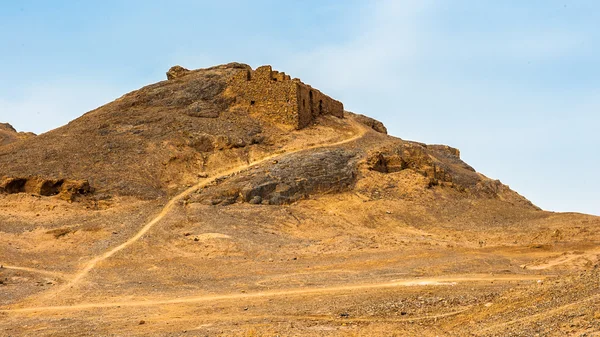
[
  {"x": 274, "y": 96},
  {"x": 312, "y": 103}
]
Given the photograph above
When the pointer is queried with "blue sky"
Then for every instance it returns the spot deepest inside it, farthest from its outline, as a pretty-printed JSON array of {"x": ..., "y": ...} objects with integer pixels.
[{"x": 515, "y": 85}]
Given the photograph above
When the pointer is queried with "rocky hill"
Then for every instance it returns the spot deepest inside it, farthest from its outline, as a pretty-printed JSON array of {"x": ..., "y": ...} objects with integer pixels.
[
  {"x": 155, "y": 141},
  {"x": 232, "y": 201}
]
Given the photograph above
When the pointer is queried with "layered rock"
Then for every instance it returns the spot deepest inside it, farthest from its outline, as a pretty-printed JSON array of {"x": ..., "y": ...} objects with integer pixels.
[
  {"x": 64, "y": 188},
  {"x": 291, "y": 178}
]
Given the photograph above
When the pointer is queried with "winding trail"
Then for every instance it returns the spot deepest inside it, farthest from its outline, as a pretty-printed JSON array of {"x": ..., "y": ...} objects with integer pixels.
[
  {"x": 360, "y": 132},
  {"x": 434, "y": 281}
]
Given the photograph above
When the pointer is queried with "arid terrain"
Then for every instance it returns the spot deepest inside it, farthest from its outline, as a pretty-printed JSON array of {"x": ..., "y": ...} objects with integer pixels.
[{"x": 188, "y": 209}]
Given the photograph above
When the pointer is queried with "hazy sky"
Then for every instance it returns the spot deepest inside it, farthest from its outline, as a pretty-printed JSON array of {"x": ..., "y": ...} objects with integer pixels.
[{"x": 515, "y": 85}]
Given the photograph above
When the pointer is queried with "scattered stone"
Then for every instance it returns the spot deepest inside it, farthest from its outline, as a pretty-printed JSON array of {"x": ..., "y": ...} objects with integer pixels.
[{"x": 142, "y": 322}]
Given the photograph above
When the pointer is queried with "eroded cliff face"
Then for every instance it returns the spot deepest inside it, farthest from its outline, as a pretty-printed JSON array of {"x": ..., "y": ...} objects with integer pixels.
[{"x": 65, "y": 189}]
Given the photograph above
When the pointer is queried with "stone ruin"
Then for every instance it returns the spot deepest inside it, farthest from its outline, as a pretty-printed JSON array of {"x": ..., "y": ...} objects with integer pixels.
[
  {"x": 272, "y": 95},
  {"x": 275, "y": 96}
]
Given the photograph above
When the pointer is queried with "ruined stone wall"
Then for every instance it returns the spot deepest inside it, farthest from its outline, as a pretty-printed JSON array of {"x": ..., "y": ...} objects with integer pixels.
[
  {"x": 312, "y": 103},
  {"x": 274, "y": 96}
]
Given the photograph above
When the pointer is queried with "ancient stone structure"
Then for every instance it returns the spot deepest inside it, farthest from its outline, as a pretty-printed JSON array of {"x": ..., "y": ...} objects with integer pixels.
[{"x": 275, "y": 96}]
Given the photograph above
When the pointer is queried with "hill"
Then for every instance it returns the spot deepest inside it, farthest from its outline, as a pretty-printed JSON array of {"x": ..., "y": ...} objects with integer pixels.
[{"x": 240, "y": 201}]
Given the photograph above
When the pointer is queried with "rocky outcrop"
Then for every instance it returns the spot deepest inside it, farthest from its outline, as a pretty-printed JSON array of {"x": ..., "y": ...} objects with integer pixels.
[
  {"x": 448, "y": 151},
  {"x": 289, "y": 179},
  {"x": 176, "y": 72},
  {"x": 439, "y": 163},
  {"x": 64, "y": 188},
  {"x": 8, "y": 134},
  {"x": 372, "y": 123}
]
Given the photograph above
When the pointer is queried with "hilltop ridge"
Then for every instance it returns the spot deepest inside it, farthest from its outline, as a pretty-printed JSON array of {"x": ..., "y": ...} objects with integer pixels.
[{"x": 154, "y": 141}]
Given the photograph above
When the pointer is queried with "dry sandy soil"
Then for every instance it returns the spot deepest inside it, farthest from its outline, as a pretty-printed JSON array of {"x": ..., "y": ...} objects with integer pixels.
[{"x": 387, "y": 238}]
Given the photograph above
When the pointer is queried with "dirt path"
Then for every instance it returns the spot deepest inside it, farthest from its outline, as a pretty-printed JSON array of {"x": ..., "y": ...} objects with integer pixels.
[
  {"x": 589, "y": 255},
  {"x": 360, "y": 132},
  {"x": 33, "y": 270},
  {"x": 434, "y": 281}
]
